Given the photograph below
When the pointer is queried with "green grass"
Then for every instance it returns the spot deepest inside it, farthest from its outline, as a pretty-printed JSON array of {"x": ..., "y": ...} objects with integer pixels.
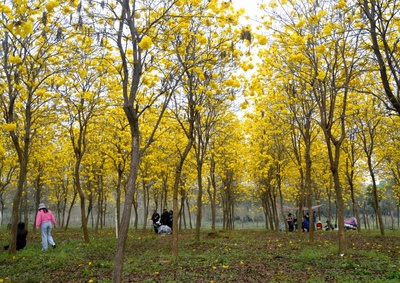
[{"x": 232, "y": 256}]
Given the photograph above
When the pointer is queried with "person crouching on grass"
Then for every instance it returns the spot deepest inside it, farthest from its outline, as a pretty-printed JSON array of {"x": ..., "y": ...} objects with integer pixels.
[
  {"x": 45, "y": 220},
  {"x": 21, "y": 237}
]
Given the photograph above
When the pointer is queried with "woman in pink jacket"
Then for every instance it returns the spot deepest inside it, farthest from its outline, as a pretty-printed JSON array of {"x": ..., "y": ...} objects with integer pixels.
[{"x": 45, "y": 220}]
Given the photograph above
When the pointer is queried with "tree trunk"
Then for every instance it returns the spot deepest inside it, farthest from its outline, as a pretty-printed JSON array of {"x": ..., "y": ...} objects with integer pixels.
[
  {"x": 145, "y": 205},
  {"x": 70, "y": 210},
  {"x": 12, "y": 251},
  {"x": 135, "y": 211},
  {"x": 118, "y": 200},
  {"x": 199, "y": 201},
  {"x": 308, "y": 161},
  {"x": 130, "y": 194},
  {"x": 355, "y": 209},
  {"x": 181, "y": 214},
  {"x": 82, "y": 198},
  {"x": 212, "y": 197},
  {"x": 189, "y": 213},
  {"x": 365, "y": 218},
  {"x": 340, "y": 213},
  {"x": 376, "y": 199}
]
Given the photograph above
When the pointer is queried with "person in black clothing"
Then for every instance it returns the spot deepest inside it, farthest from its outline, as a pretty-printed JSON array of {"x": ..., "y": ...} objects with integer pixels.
[
  {"x": 156, "y": 218},
  {"x": 21, "y": 237},
  {"x": 170, "y": 219},
  {"x": 289, "y": 220},
  {"x": 165, "y": 217},
  {"x": 329, "y": 226}
]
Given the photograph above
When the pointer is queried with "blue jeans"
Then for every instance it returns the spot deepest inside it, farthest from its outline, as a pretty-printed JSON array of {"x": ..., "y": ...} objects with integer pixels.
[{"x": 46, "y": 235}]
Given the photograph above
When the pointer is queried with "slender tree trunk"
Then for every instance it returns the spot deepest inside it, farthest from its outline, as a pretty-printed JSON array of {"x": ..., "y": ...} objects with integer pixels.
[
  {"x": 265, "y": 216},
  {"x": 118, "y": 200},
  {"x": 2, "y": 209},
  {"x": 98, "y": 214},
  {"x": 177, "y": 182},
  {"x": 70, "y": 210},
  {"x": 212, "y": 192},
  {"x": 199, "y": 201},
  {"x": 189, "y": 213},
  {"x": 355, "y": 209},
  {"x": 212, "y": 196},
  {"x": 376, "y": 199},
  {"x": 82, "y": 199},
  {"x": 329, "y": 204},
  {"x": 37, "y": 199},
  {"x": 145, "y": 205},
  {"x": 340, "y": 213},
  {"x": 130, "y": 194},
  {"x": 63, "y": 211},
  {"x": 12, "y": 251},
  {"x": 275, "y": 210},
  {"x": 308, "y": 161},
  {"x": 135, "y": 211},
  {"x": 365, "y": 218},
  {"x": 181, "y": 215},
  {"x": 391, "y": 218},
  {"x": 398, "y": 216}
]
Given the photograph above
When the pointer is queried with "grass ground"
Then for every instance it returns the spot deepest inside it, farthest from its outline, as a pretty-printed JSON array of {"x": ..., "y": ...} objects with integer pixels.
[{"x": 233, "y": 256}]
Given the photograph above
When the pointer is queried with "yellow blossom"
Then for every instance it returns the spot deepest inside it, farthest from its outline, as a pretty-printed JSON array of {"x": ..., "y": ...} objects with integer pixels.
[
  {"x": 15, "y": 59},
  {"x": 145, "y": 43},
  {"x": 5, "y": 9},
  {"x": 51, "y": 5},
  {"x": 9, "y": 127},
  {"x": 263, "y": 40}
]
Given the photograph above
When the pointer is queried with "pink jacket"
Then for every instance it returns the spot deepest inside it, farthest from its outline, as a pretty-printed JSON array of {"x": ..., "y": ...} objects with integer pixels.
[{"x": 43, "y": 217}]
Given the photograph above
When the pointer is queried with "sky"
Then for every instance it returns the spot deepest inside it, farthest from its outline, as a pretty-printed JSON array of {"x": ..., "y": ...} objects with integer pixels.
[{"x": 249, "y": 5}]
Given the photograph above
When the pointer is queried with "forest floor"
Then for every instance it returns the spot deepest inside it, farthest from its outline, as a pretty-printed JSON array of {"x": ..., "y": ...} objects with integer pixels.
[{"x": 231, "y": 256}]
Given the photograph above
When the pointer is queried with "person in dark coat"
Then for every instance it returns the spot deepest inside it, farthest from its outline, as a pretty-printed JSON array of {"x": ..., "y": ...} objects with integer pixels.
[
  {"x": 289, "y": 220},
  {"x": 165, "y": 217},
  {"x": 21, "y": 237},
  {"x": 170, "y": 219},
  {"x": 156, "y": 218}
]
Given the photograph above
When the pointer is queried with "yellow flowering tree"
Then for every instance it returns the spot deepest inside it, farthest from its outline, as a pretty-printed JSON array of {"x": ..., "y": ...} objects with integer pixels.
[
  {"x": 83, "y": 98},
  {"x": 381, "y": 23},
  {"x": 29, "y": 56},
  {"x": 323, "y": 50},
  {"x": 207, "y": 55}
]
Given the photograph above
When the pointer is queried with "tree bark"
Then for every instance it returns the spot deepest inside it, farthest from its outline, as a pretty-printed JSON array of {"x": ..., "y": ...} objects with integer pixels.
[{"x": 130, "y": 193}]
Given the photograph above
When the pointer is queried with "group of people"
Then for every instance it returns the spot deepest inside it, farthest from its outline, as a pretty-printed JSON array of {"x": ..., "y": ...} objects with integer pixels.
[
  {"x": 166, "y": 219},
  {"x": 305, "y": 224},
  {"x": 45, "y": 221}
]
